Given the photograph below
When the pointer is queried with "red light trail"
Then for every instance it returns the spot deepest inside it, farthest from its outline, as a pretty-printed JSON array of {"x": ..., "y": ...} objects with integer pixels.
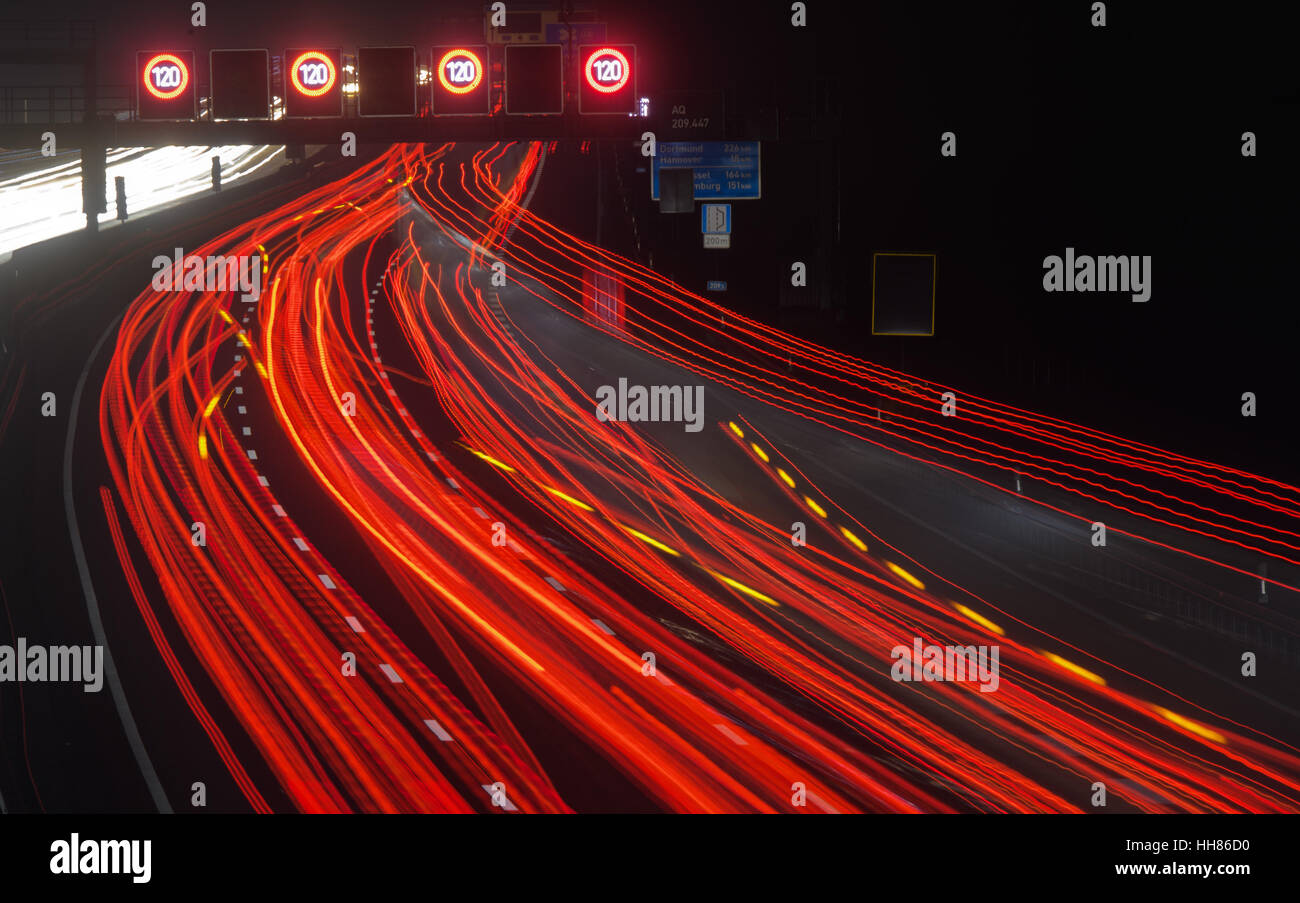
[{"x": 783, "y": 677}]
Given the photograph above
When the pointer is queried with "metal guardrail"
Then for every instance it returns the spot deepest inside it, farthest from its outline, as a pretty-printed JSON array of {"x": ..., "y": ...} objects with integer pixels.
[
  {"x": 41, "y": 104},
  {"x": 41, "y": 43},
  {"x": 47, "y": 34},
  {"x": 38, "y": 104},
  {"x": 1161, "y": 590}
]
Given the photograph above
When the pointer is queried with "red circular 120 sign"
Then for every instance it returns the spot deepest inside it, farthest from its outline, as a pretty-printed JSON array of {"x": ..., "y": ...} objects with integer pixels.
[
  {"x": 166, "y": 76},
  {"x": 460, "y": 71},
  {"x": 607, "y": 70},
  {"x": 313, "y": 74}
]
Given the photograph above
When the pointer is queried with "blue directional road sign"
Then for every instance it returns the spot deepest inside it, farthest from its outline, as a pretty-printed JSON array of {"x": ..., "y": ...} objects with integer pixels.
[{"x": 724, "y": 170}]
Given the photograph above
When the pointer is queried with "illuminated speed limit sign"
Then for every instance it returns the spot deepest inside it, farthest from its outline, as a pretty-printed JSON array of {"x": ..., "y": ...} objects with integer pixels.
[
  {"x": 607, "y": 70},
  {"x": 166, "y": 76},
  {"x": 315, "y": 83},
  {"x": 313, "y": 74},
  {"x": 608, "y": 82},
  {"x": 460, "y": 71},
  {"x": 461, "y": 84},
  {"x": 166, "y": 85}
]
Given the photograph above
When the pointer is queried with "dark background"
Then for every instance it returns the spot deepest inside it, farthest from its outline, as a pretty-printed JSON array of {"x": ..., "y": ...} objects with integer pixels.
[
  {"x": 1122, "y": 140},
  {"x": 1116, "y": 140}
]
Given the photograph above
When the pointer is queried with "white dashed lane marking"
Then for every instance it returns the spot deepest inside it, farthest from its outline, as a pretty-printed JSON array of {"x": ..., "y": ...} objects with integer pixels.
[
  {"x": 298, "y": 541},
  {"x": 555, "y": 583},
  {"x": 391, "y": 674},
  {"x": 437, "y": 730},
  {"x": 354, "y": 624},
  {"x": 822, "y": 804},
  {"x": 505, "y": 802},
  {"x": 731, "y": 735},
  {"x": 326, "y": 581},
  {"x": 602, "y": 625}
]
